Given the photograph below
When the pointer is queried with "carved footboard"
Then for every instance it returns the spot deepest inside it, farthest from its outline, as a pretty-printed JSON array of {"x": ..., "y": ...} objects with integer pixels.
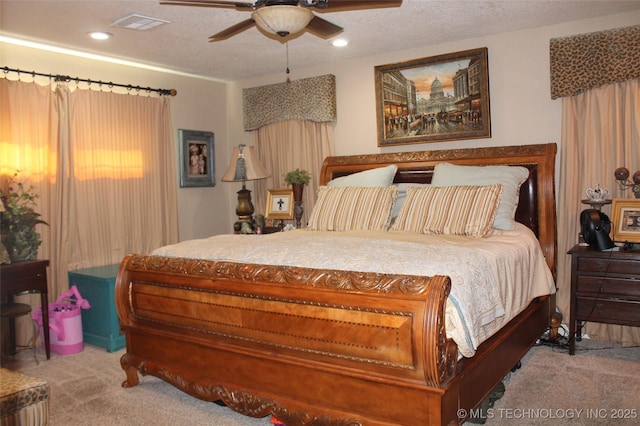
[{"x": 309, "y": 346}]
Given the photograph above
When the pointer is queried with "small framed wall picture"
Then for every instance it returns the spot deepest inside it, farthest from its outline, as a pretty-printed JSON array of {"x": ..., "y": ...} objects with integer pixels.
[
  {"x": 279, "y": 204},
  {"x": 196, "y": 158},
  {"x": 626, "y": 220}
]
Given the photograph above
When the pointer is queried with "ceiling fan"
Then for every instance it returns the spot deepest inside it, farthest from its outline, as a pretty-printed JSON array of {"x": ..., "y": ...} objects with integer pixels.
[{"x": 285, "y": 17}]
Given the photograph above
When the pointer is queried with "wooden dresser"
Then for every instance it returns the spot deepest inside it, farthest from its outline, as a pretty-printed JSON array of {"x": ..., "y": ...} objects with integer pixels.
[{"x": 605, "y": 288}]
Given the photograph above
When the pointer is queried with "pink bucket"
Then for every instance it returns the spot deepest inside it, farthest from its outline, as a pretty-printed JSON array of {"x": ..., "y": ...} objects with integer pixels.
[{"x": 65, "y": 323}]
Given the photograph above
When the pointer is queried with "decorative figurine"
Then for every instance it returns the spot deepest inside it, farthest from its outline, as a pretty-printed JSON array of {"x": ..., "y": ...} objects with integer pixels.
[
  {"x": 246, "y": 228},
  {"x": 597, "y": 193}
]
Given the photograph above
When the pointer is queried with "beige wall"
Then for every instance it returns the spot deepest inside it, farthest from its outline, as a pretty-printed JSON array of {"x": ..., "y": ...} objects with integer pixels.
[{"x": 522, "y": 111}]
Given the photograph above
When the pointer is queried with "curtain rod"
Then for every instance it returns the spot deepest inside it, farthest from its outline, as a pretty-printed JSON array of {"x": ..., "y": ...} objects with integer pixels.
[{"x": 59, "y": 77}]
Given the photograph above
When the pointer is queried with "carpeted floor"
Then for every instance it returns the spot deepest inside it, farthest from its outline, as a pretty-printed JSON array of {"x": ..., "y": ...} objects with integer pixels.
[
  {"x": 597, "y": 385},
  {"x": 594, "y": 387}
]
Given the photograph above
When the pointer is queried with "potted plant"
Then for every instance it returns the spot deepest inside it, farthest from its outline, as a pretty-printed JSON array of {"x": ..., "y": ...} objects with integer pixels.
[
  {"x": 18, "y": 220},
  {"x": 297, "y": 176},
  {"x": 297, "y": 179}
]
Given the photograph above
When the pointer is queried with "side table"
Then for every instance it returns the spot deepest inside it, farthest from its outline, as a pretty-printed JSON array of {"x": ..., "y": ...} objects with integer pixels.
[
  {"x": 605, "y": 288},
  {"x": 100, "y": 324},
  {"x": 28, "y": 276},
  {"x": 596, "y": 204},
  {"x": 271, "y": 229}
]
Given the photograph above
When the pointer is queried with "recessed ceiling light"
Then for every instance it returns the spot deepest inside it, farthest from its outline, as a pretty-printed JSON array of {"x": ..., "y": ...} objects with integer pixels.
[
  {"x": 340, "y": 42},
  {"x": 99, "y": 35}
]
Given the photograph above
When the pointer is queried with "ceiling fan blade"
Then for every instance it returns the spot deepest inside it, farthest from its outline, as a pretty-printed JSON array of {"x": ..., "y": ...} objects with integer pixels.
[
  {"x": 323, "y": 28},
  {"x": 342, "y": 5},
  {"x": 231, "y": 31},
  {"x": 242, "y": 6}
]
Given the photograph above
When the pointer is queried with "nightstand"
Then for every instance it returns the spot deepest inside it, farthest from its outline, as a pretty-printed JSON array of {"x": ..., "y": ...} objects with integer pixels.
[
  {"x": 100, "y": 324},
  {"x": 271, "y": 229},
  {"x": 18, "y": 277},
  {"x": 605, "y": 288}
]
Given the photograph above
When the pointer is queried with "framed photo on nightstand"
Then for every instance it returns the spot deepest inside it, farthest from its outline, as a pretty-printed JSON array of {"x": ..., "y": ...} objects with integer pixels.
[
  {"x": 279, "y": 204},
  {"x": 626, "y": 220}
]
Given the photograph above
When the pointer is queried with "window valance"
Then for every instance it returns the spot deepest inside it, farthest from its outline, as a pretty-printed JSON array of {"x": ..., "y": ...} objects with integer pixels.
[
  {"x": 587, "y": 61},
  {"x": 312, "y": 99}
]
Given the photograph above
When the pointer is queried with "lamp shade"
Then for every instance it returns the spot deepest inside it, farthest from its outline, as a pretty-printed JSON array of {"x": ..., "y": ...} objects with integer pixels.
[
  {"x": 282, "y": 19},
  {"x": 244, "y": 166}
]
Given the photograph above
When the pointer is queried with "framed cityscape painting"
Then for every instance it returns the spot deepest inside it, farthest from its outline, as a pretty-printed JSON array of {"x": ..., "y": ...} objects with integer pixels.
[{"x": 434, "y": 99}]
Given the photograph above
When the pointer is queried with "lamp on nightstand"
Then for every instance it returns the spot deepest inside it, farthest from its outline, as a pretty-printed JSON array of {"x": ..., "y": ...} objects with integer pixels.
[{"x": 244, "y": 166}]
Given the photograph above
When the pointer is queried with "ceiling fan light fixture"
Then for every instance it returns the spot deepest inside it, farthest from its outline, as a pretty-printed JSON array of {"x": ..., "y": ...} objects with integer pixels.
[{"x": 282, "y": 19}]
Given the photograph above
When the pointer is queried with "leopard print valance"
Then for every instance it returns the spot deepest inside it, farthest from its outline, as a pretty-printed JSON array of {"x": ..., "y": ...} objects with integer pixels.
[
  {"x": 312, "y": 99},
  {"x": 587, "y": 61}
]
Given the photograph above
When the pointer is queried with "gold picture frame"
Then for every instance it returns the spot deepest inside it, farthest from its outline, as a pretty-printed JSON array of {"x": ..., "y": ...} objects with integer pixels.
[
  {"x": 279, "y": 204},
  {"x": 625, "y": 220},
  {"x": 434, "y": 99}
]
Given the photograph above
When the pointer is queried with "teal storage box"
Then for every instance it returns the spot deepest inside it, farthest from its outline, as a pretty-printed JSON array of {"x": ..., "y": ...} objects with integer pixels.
[{"x": 100, "y": 324}]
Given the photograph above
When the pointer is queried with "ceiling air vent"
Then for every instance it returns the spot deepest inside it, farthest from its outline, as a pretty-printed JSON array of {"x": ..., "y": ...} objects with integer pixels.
[{"x": 138, "y": 22}]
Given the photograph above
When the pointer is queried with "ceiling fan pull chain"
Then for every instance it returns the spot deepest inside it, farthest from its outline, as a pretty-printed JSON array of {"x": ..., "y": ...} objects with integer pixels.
[{"x": 287, "y": 47}]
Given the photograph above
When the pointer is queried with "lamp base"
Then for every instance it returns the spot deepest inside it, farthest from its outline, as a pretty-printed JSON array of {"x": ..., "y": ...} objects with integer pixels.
[{"x": 244, "y": 210}]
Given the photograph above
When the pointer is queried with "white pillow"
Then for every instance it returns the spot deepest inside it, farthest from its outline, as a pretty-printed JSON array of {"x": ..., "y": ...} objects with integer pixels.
[
  {"x": 381, "y": 176},
  {"x": 353, "y": 208},
  {"x": 511, "y": 177}
]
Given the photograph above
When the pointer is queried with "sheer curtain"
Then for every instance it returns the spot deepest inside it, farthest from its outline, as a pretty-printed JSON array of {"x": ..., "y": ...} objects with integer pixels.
[
  {"x": 104, "y": 165},
  {"x": 121, "y": 177},
  {"x": 601, "y": 132},
  {"x": 286, "y": 146},
  {"x": 28, "y": 137}
]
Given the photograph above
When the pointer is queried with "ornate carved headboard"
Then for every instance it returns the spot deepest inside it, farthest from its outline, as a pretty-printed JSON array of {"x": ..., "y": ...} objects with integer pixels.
[{"x": 536, "y": 207}]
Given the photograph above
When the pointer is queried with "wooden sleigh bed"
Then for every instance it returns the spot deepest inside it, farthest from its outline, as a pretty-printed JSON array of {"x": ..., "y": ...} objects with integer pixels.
[{"x": 269, "y": 340}]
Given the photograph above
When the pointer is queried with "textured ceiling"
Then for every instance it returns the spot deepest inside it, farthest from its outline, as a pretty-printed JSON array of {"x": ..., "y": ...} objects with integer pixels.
[{"x": 183, "y": 45}]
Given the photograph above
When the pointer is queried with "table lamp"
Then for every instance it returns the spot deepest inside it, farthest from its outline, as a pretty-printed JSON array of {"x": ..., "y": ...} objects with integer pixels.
[{"x": 244, "y": 166}]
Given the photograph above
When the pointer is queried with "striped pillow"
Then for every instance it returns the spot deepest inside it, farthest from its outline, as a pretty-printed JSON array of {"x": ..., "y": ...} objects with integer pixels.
[
  {"x": 353, "y": 208},
  {"x": 511, "y": 177},
  {"x": 454, "y": 210}
]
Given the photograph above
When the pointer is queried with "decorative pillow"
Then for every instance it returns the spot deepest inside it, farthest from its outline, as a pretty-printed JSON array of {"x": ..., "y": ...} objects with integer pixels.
[
  {"x": 381, "y": 176},
  {"x": 511, "y": 177},
  {"x": 353, "y": 209},
  {"x": 455, "y": 210},
  {"x": 402, "y": 195}
]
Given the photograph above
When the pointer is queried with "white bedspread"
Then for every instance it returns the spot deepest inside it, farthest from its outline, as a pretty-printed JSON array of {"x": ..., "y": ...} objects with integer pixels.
[{"x": 493, "y": 278}]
